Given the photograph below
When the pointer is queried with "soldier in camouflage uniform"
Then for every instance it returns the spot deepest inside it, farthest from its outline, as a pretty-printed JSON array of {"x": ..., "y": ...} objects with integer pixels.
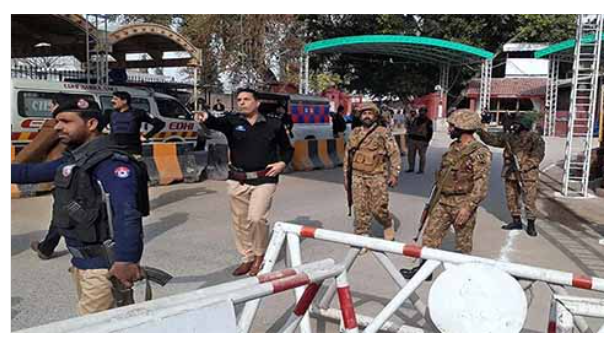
[
  {"x": 376, "y": 164},
  {"x": 463, "y": 179},
  {"x": 529, "y": 148}
]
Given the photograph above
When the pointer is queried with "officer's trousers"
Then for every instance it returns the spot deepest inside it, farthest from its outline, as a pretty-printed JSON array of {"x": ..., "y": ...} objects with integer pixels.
[
  {"x": 439, "y": 222},
  {"x": 93, "y": 288},
  {"x": 250, "y": 206},
  {"x": 370, "y": 200},
  {"x": 513, "y": 197},
  {"x": 417, "y": 146}
]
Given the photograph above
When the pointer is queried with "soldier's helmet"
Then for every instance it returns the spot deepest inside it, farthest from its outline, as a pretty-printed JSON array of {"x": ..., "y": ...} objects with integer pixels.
[
  {"x": 465, "y": 119},
  {"x": 526, "y": 121},
  {"x": 369, "y": 106}
]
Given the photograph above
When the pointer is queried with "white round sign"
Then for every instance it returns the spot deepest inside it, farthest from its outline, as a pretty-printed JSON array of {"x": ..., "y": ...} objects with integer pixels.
[{"x": 477, "y": 298}]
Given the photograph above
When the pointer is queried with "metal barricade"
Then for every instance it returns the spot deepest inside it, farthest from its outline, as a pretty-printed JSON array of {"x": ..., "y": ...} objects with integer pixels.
[{"x": 379, "y": 248}]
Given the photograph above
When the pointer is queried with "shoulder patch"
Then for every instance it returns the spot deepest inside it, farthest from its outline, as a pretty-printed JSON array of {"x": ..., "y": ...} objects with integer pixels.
[
  {"x": 122, "y": 172},
  {"x": 121, "y": 157},
  {"x": 66, "y": 171}
]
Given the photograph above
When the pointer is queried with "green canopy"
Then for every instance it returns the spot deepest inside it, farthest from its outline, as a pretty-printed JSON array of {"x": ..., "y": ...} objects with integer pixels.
[
  {"x": 415, "y": 48},
  {"x": 564, "y": 49}
]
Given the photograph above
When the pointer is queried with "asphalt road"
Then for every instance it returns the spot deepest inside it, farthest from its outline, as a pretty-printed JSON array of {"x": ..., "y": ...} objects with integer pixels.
[{"x": 189, "y": 235}]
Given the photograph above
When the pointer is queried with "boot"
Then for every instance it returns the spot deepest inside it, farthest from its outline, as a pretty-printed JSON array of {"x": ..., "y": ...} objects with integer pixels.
[
  {"x": 35, "y": 246},
  {"x": 256, "y": 266},
  {"x": 243, "y": 268},
  {"x": 410, "y": 273},
  {"x": 530, "y": 228},
  {"x": 515, "y": 224},
  {"x": 410, "y": 170}
]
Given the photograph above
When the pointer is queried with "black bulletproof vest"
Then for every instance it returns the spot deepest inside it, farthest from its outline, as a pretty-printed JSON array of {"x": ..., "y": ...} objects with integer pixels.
[
  {"x": 125, "y": 123},
  {"x": 79, "y": 211}
]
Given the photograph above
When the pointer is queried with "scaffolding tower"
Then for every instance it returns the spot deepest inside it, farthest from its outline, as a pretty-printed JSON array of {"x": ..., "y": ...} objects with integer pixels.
[
  {"x": 484, "y": 102},
  {"x": 97, "y": 49},
  {"x": 579, "y": 140},
  {"x": 551, "y": 97}
]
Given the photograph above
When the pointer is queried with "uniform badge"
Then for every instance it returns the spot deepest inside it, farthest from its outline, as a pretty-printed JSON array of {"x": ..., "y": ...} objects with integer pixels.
[
  {"x": 240, "y": 128},
  {"x": 122, "y": 172},
  {"x": 67, "y": 170},
  {"x": 83, "y": 104}
]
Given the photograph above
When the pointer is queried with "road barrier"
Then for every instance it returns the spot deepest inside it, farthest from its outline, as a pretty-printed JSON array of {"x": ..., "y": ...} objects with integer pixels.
[
  {"x": 314, "y": 154},
  {"x": 27, "y": 190},
  {"x": 212, "y": 309},
  {"x": 554, "y": 279},
  {"x": 169, "y": 163}
]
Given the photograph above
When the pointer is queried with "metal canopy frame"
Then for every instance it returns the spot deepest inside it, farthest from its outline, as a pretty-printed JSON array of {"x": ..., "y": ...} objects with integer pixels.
[{"x": 444, "y": 54}]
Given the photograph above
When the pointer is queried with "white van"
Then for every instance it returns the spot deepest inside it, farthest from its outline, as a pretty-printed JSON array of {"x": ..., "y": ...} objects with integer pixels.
[{"x": 30, "y": 104}]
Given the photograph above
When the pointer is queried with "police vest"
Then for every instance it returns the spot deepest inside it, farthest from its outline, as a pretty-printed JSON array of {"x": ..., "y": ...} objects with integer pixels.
[
  {"x": 79, "y": 211},
  {"x": 125, "y": 123}
]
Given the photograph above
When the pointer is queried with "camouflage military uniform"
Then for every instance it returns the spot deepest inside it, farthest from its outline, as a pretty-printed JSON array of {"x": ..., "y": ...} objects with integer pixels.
[
  {"x": 529, "y": 147},
  {"x": 373, "y": 164},
  {"x": 465, "y": 187}
]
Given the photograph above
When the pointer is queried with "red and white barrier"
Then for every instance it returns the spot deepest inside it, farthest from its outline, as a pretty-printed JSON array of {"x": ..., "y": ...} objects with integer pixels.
[
  {"x": 434, "y": 258},
  {"x": 178, "y": 313}
]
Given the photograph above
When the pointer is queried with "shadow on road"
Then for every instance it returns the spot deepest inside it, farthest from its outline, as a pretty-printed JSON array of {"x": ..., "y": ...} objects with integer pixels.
[
  {"x": 179, "y": 195},
  {"x": 166, "y": 223}
]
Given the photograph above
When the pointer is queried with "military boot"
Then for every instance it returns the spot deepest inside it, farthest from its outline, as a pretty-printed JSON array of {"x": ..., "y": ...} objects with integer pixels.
[
  {"x": 410, "y": 273},
  {"x": 530, "y": 228},
  {"x": 515, "y": 224}
]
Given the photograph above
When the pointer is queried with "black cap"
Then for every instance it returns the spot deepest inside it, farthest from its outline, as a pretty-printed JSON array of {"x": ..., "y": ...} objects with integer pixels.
[
  {"x": 87, "y": 108},
  {"x": 78, "y": 104}
]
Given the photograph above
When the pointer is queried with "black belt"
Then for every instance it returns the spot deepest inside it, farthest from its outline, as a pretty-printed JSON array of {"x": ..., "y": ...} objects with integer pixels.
[
  {"x": 243, "y": 176},
  {"x": 88, "y": 251}
]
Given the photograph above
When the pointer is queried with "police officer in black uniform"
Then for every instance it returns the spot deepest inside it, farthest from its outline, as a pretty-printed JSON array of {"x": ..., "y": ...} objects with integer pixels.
[
  {"x": 259, "y": 151},
  {"x": 126, "y": 123},
  {"x": 100, "y": 198}
]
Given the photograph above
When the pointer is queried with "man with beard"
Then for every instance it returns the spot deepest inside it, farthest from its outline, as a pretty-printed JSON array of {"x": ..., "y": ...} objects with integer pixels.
[
  {"x": 372, "y": 162},
  {"x": 526, "y": 148},
  {"x": 100, "y": 197},
  {"x": 463, "y": 181}
]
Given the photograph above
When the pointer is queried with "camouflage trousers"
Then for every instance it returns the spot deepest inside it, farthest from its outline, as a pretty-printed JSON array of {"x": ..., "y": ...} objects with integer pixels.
[
  {"x": 442, "y": 218},
  {"x": 513, "y": 198},
  {"x": 370, "y": 199}
]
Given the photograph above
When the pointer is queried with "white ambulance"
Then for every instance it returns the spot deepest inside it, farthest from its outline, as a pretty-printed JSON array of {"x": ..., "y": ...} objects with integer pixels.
[{"x": 30, "y": 104}]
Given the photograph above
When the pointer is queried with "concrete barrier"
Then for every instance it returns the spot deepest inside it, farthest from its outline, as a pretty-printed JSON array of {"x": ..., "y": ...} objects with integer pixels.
[
  {"x": 169, "y": 163},
  {"x": 327, "y": 153},
  {"x": 318, "y": 154},
  {"x": 27, "y": 190}
]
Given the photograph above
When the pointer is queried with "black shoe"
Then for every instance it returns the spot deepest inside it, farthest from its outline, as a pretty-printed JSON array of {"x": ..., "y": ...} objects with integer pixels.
[
  {"x": 515, "y": 224},
  {"x": 410, "y": 273},
  {"x": 35, "y": 246},
  {"x": 420, "y": 172},
  {"x": 530, "y": 228},
  {"x": 409, "y": 170}
]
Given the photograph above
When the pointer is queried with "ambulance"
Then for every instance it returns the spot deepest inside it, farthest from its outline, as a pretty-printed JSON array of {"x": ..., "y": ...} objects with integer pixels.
[{"x": 30, "y": 104}]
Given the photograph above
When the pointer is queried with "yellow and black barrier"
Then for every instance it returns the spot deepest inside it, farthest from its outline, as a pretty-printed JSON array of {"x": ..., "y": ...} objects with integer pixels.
[
  {"x": 318, "y": 154},
  {"x": 327, "y": 153},
  {"x": 27, "y": 190}
]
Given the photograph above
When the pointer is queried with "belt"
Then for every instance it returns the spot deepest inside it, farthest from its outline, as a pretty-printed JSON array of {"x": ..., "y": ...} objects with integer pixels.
[
  {"x": 88, "y": 251},
  {"x": 243, "y": 176}
]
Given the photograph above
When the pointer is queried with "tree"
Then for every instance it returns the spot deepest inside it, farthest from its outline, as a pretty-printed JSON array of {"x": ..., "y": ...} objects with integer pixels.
[
  {"x": 251, "y": 50},
  {"x": 386, "y": 75}
]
